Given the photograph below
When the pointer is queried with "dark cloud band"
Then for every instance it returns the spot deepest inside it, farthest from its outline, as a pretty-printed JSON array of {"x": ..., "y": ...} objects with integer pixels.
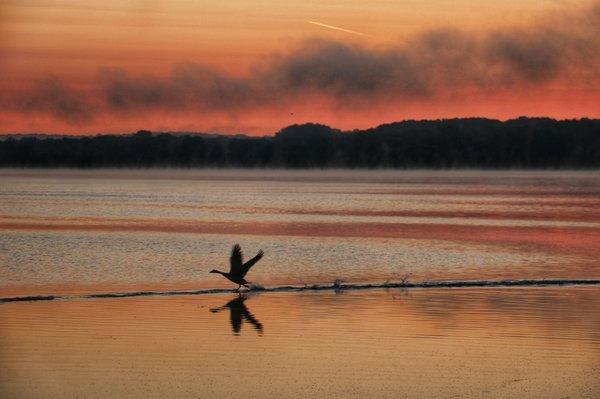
[{"x": 434, "y": 63}]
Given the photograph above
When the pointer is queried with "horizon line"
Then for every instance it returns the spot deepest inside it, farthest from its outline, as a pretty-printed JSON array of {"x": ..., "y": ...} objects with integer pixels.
[{"x": 88, "y": 134}]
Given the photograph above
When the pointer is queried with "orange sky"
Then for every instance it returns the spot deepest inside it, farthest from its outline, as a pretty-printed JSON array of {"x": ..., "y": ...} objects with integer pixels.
[{"x": 253, "y": 66}]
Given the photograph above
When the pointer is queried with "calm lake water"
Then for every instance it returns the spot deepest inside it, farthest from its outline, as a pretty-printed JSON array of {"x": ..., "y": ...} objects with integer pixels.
[
  {"x": 69, "y": 231},
  {"x": 433, "y": 343},
  {"x": 86, "y": 232}
]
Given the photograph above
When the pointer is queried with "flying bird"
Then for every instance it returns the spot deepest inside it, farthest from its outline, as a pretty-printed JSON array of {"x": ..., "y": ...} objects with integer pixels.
[{"x": 237, "y": 269}]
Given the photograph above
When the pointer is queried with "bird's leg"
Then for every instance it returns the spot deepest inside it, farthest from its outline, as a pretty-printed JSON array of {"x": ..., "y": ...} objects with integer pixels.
[{"x": 238, "y": 288}]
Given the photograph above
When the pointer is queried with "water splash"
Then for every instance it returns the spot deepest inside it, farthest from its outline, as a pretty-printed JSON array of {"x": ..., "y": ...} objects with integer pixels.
[{"x": 336, "y": 286}]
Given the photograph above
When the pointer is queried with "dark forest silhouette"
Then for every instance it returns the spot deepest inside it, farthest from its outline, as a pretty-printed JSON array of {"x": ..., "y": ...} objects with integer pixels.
[{"x": 453, "y": 143}]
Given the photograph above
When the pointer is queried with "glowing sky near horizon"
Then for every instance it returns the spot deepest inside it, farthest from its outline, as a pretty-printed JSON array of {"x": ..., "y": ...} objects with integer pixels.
[{"x": 256, "y": 66}]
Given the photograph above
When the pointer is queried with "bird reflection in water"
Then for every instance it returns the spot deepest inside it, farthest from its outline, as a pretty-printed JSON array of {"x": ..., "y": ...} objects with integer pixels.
[{"x": 239, "y": 312}]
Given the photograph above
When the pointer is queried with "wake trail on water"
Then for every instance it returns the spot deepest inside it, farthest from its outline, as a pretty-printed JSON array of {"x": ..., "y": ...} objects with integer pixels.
[{"x": 336, "y": 286}]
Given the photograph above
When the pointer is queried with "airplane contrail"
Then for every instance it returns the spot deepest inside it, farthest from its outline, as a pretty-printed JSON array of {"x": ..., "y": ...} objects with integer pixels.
[{"x": 337, "y": 28}]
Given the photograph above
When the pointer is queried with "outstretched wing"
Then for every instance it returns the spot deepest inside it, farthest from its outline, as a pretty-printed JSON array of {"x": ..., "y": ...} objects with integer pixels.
[
  {"x": 246, "y": 266},
  {"x": 249, "y": 317},
  {"x": 235, "y": 261}
]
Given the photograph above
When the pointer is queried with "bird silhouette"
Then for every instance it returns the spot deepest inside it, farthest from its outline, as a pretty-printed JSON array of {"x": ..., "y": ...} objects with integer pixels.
[
  {"x": 239, "y": 312},
  {"x": 238, "y": 270}
]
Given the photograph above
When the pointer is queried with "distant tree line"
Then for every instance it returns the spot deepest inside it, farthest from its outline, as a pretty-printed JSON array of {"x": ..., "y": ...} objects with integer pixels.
[{"x": 454, "y": 143}]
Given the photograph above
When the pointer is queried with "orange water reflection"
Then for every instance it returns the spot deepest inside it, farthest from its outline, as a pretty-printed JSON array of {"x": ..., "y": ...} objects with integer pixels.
[{"x": 531, "y": 343}]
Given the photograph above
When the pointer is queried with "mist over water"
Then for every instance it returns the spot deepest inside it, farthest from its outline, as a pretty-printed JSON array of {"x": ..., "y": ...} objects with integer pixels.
[{"x": 104, "y": 231}]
